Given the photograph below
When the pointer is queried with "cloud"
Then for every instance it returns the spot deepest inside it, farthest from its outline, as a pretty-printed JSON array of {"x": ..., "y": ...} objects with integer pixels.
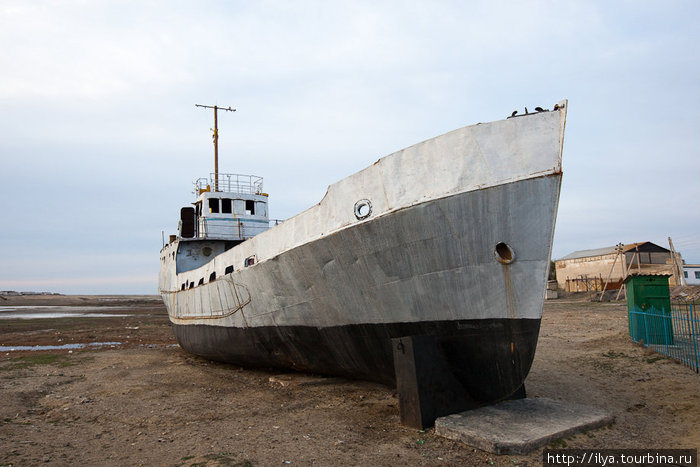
[
  {"x": 83, "y": 51},
  {"x": 100, "y": 139}
]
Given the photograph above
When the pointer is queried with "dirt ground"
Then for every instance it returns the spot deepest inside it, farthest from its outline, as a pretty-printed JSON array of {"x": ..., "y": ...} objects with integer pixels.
[{"x": 146, "y": 402}]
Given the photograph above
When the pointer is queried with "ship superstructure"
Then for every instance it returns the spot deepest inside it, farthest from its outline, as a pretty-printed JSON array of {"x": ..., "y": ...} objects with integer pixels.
[{"x": 228, "y": 210}]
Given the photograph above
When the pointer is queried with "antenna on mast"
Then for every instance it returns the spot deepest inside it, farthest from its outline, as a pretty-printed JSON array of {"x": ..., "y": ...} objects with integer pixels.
[{"x": 215, "y": 137}]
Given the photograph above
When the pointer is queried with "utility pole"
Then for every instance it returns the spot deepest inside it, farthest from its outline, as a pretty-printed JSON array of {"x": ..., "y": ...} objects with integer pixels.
[
  {"x": 619, "y": 248},
  {"x": 675, "y": 265},
  {"x": 215, "y": 137}
]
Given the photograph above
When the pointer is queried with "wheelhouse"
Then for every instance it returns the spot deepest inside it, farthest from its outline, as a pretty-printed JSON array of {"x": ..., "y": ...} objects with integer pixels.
[{"x": 234, "y": 210}]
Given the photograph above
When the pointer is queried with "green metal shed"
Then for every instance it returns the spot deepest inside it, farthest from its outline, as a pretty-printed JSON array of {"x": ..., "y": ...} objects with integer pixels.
[
  {"x": 649, "y": 308},
  {"x": 648, "y": 290}
]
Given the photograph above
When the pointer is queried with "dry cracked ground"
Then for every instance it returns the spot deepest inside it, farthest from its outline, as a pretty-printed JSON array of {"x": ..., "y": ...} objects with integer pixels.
[{"x": 146, "y": 402}]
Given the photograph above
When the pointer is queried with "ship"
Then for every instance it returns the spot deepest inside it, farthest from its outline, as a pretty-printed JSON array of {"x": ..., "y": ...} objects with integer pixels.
[{"x": 449, "y": 239}]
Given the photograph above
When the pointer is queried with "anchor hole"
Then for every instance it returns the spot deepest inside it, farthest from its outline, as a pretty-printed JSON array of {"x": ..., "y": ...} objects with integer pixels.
[{"x": 504, "y": 253}]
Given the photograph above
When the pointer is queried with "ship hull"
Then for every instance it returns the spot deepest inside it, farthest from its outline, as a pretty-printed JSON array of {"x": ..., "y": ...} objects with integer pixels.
[
  {"x": 390, "y": 278},
  {"x": 490, "y": 358},
  {"x": 454, "y": 254}
]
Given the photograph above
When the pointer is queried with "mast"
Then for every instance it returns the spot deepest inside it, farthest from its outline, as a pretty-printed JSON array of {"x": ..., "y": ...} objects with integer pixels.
[{"x": 215, "y": 137}]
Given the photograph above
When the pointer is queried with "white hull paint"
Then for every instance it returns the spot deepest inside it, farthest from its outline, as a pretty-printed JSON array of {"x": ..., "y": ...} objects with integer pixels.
[{"x": 438, "y": 210}]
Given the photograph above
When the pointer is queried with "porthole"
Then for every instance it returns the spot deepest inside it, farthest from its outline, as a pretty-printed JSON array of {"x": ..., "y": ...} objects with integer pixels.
[
  {"x": 504, "y": 253},
  {"x": 363, "y": 209}
]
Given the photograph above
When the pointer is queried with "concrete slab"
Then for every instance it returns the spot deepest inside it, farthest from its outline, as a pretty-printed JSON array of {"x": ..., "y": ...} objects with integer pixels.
[{"x": 520, "y": 426}]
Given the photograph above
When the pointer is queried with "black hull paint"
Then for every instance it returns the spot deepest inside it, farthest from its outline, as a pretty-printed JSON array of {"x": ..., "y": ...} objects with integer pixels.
[{"x": 490, "y": 358}]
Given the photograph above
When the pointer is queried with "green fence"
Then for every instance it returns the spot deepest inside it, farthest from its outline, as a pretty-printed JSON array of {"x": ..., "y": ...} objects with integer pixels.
[{"x": 675, "y": 333}]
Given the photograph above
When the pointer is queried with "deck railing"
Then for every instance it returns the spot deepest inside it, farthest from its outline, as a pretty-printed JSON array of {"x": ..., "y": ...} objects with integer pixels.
[
  {"x": 232, "y": 229},
  {"x": 674, "y": 332},
  {"x": 231, "y": 183}
]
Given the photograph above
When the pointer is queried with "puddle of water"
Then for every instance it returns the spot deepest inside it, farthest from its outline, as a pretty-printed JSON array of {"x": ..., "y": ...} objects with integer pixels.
[
  {"x": 78, "y": 308},
  {"x": 10, "y": 348},
  {"x": 58, "y": 315},
  {"x": 57, "y": 311}
]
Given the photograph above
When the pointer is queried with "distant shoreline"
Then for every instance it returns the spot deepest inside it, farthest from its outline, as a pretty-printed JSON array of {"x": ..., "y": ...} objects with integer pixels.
[{"x": 76, "y": 300}]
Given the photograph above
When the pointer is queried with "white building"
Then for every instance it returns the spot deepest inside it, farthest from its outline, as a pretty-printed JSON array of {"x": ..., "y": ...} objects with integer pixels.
[{"x": 691, "y": 273}]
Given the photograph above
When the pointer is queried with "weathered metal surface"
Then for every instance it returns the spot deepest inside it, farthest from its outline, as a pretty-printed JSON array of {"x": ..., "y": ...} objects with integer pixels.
[
  {"x": 230, "y": 216},
  {"x": 468, "y": 159},
  {"x": 450, "y": 238},
  {"x": 426, "y": 385},
  {"x": 228, "y": 299},
  {"x": 192, "y": 255},
  {"x": 489, "y": 358},
  {"x": 429, "y": 262}
]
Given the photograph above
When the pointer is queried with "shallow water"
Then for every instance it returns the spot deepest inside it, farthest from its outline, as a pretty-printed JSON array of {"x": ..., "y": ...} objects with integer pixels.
[
  {"x": 58, "y": 315},
  {"x": 9, "y": 348},
  {"x": 45, "y": 312}
]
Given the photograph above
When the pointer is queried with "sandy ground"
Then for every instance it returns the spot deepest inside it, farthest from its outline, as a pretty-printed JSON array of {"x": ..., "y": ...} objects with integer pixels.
[{"x": 146, "y": 402}]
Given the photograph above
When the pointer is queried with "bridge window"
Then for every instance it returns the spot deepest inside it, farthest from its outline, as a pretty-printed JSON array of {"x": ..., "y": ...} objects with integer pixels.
[
  {"x": 183, "y": 286},
  {"x": 191, "y": 285},
  {"x": 226, "y": 206},
  {"x": 249, "y": 261},
  {"x": 229, "y": 270},
  {"x": 201, "y": 281},
  {"x": 250, "y": 207},
  {"x": 212, "y": 277},
  {"x": 213, "y": 205}
]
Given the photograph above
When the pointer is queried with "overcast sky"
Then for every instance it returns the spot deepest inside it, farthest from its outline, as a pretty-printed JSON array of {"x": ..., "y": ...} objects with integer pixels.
[{"x": 100, "y": 139}]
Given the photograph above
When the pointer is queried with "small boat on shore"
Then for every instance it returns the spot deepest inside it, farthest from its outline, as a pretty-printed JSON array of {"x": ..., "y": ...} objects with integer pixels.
[{"x": 450, "y": 238}]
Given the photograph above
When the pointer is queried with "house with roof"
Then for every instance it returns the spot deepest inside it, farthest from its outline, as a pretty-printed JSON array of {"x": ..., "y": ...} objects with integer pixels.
[
  {"x": 588, "y": 270},
  {"x": 691, "y": 273}
]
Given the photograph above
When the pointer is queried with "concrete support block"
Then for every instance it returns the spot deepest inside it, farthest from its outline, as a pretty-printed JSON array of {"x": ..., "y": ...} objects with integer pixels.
[{"x": 520, "y": 426}]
